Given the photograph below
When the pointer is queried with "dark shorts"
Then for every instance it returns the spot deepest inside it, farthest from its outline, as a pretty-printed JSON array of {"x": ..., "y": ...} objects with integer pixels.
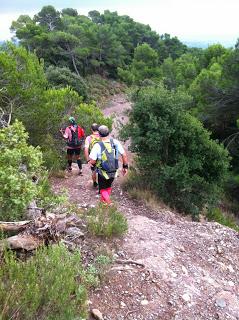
[
  {"x": 104, "y": 183},
  {"x": 71, "y": 152}
]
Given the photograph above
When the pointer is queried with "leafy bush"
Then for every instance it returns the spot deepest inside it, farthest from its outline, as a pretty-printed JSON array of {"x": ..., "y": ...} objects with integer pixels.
[
  {"x": 106, "y": 221},
  {"x": 101, "y": 88},
  {"x": 63, "y": 77},
  {"x": 50, "y": 285},
  {"x": 215, "y": 214},
  {"x": 19, "y": 162},
  {"x": 176, "y": 157},
  {"x": 126, "y": 76},
  {"x": 43, "y": 111},
  {"x": 86, "y": 114}
]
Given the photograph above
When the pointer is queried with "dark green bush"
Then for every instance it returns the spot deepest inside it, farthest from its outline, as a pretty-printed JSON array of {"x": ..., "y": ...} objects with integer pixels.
[
  {"x": 63, "y": 77},
  {"x": 176, "y": 157}
]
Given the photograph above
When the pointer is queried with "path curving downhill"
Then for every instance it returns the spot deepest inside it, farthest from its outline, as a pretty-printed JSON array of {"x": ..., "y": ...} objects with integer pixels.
[{"x": 185, "y": 271}]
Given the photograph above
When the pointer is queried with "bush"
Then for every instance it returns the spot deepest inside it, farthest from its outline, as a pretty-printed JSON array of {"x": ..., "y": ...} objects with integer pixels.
[
  {"x": 19, "y": 162},
  {"x": 215, "y": 214},
  {"x": 106, "y": 221},
  {"x": 63, "y": 77},
  {"x": 100, "y": 89},
  {"x": 176, "y": 157},
  {"x": 43, "y": 111},
  {"x": 50, "y": 285}
]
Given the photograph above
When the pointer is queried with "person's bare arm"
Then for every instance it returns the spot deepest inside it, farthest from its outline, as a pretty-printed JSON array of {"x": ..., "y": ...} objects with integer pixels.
[
  {"x": 125, "y": 164},
  {"x": 86, "y": 153},
  {"x": 91, "y": 162}
]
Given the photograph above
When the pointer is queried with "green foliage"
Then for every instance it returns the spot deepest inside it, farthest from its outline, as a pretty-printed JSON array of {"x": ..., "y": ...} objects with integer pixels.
[
  {"x": 145, "y": 62},
  {"x": 174, "y": 147},
  {"x": 144, "y": 65},
  {"x": 42, "y": 111},
  {"x": 126, "y": 75},
  {"x": 102, "y": 263},
  {"x": 215, "y": 214},
  {"x": 19, "y": 162},
  {"x": 170, "y": 47},
  {"x": 106, "y": 221},
  {"x": 50, "y": 285},
  {"x": 213, "y": 52},
  {"x": 48, "y": 18},
  {"x": 99, "y": 43},
  {"x": 101, "y": 88},
  {"x": 86, "y": 114},
  {"x": 22, "y": 80},
  {"x": 63, "y": 77}
]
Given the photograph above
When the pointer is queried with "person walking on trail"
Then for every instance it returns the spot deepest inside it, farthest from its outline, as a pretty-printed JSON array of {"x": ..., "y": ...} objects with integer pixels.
[
  {"x": 105, "y": 155},
  {"x": 89, "y": 143},
  {"x": 74, "y": 135}
]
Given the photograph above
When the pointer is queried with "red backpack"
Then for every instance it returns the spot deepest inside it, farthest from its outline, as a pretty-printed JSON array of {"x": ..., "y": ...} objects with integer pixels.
[{"x": 77, "y": 137}]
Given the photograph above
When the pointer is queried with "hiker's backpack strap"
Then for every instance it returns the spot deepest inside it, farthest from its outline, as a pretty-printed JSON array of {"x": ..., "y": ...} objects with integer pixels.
[
  {"x": 114, "y": 147},
  {"x": 102, "y": 147}
]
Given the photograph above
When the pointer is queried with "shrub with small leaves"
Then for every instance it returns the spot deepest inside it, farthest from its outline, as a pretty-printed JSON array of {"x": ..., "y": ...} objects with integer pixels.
[
  {"x": 106, "y": 221},
  {"x": 19, "y": 162},
  {"x": 177, "y": 158},
  {"x": 50, "y": 285}
]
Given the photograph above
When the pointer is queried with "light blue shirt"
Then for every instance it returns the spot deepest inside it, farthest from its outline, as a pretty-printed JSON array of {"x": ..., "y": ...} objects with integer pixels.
[{"x": 96, "y": 150}]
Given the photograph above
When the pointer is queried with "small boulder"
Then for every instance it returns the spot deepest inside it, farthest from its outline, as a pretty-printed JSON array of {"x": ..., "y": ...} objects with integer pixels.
[{"x": 97, "y": 314}]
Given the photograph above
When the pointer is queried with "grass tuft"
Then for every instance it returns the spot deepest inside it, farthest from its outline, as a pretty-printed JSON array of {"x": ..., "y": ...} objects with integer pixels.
[{"x": 106, "y": 221}]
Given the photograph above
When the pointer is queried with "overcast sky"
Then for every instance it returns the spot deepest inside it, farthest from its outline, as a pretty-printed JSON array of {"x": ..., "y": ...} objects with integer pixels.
[{"x": 209, "y": 21}]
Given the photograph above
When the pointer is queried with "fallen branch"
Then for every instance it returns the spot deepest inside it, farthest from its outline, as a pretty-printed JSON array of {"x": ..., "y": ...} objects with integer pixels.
[
  {"x": 130, "y": 312},
  {"x": 122, "y": 268},
  {"x": 48, "y": 228},
  {"x": 14, "y": 226},
  {"x": 120, "y": 261}
]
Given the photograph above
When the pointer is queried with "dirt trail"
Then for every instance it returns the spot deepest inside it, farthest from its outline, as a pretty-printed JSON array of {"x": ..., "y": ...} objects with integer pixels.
[{"x": 189, "y": 270}]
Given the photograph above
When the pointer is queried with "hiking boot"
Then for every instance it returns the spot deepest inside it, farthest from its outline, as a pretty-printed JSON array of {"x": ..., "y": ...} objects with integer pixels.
[
  {"x": 69, "y": 169},
  {"x": 95, "y": 184},
  {"x": 80, "y": 173}
]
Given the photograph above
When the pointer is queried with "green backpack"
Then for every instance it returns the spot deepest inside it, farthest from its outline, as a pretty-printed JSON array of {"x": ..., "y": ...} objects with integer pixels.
[{"x": 93, "y": 141}]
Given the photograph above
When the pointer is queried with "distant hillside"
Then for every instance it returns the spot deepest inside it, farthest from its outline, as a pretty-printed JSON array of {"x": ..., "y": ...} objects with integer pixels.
[{"x": 205, "y": 44}]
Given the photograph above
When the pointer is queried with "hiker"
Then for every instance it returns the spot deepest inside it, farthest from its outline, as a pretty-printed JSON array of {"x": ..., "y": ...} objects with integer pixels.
[
  {"x": 105, "y": 155},
  {"x": 89, "y": 143},
  {"x": 74, "y": 135}
]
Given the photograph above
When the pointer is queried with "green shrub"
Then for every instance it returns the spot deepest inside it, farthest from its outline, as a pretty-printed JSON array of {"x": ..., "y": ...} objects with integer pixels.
[
  {"x": 106, "y": 221},
  {"x": 60, "y": 77},
  {"x": 215, "y": 214},
  {"x": 50, "y": 285},
  {"x": 176, "y": 156},
  {"x": 126, "y": 76},
  {"x": 19, "y": 162},
  {"x": 41, "y": 109},
  {"x": 100, "y": 89}
]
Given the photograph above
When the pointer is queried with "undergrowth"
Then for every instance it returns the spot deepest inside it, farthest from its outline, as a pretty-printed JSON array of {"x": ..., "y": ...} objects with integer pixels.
[
  {"x": 217, "y": 215},
  {"x": 138, "y": 190},
  {"x": 106, "y": 221},
  {"x": 52, "y": 284}
]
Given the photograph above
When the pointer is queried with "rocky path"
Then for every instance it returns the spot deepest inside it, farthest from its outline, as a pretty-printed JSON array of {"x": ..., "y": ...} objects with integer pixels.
[{"x": 185, "y": 271}]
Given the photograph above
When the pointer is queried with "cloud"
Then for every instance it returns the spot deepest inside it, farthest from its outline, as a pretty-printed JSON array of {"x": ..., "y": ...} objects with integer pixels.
[{"x": 214, "y": 20}]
